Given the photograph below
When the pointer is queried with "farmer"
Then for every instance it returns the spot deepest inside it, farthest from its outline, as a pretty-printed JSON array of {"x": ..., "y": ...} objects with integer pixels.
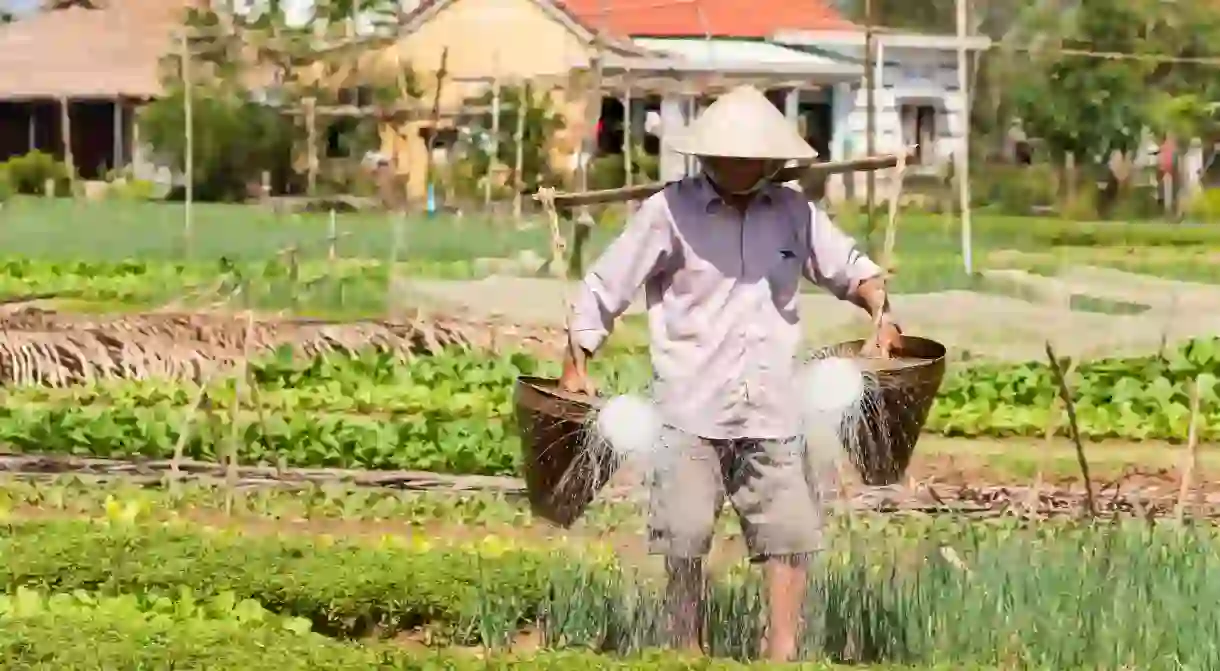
[{"x": 720, "y": 256}]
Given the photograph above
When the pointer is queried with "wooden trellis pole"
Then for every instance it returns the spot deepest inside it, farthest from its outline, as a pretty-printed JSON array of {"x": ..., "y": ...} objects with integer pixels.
[
  {"x": 188, "y": 233},
  {"x": 311, "y": 133},
  {"x": 65, "y": 120},
  {"x": 494, "y": 149},
  {"x": 441, "y": 74},
  {"x": 582, "y": 225},
  {"x": 523, "y": 104},
  {"x": 628, "y": 145}
]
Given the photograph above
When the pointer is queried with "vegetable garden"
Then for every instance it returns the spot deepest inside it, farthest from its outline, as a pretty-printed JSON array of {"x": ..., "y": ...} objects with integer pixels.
[{"x": 239, "y": 489}]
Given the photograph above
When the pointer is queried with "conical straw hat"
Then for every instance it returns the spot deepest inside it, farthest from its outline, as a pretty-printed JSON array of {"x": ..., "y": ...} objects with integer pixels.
[{"x": 742, "y": 124}]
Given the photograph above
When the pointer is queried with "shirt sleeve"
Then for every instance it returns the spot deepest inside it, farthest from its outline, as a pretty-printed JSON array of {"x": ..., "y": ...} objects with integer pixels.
[
  {"x": 634, "y": 257},
  {"x": 835, "y": 263}
]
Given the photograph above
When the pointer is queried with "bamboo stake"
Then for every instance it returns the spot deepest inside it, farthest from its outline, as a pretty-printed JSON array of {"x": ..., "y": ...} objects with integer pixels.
[
  {"x": 311, "y": 133},
  {"x": 234, "y": 414},
  {"x": 436, "y": 115},
  {"x": 963, "y": 154},
  {"x": 188, "y": 423},
  {"x": 1066, "y": 395},
  {"x": 332, "y": 238},
  {"x": 582, "y": 225},
  {"x": 523, "y": 103},
  {"x": 1057, "y": 417},
  {"x": 494, "y": 151},
  {"x": 870, "y": 124},
  {"x": 1190, "y": 457},
  {"x": 65, "y": 121},
  {"x": 558, "y": 248},
  {"x": 189, "y": 130},
  {"x": 628, "y": 144},
  {"x": 891, "y": 224}
]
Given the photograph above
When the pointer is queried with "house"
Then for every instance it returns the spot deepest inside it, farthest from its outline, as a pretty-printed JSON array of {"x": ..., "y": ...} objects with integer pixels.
[
  {"x": 481, "y": 43},
  {"x": 668, "y": 56},
  {"x": 652, "y": 54},
  {"x": 917, "y": 100},
  {"x": 80, "y": 70},
  {"x": 916, "y": 93}
]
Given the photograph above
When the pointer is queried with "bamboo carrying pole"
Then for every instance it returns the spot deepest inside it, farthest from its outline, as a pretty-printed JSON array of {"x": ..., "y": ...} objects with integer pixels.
[{"x": 791, "y": 173}]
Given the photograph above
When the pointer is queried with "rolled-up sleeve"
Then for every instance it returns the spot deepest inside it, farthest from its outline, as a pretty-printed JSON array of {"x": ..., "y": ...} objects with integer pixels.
[
  {"x": 607, "y": 291},
  {"x": 835, "y": 263}
]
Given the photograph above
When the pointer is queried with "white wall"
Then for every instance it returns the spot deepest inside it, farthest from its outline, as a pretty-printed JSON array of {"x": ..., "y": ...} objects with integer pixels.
[{"x": 909, "y": 76}]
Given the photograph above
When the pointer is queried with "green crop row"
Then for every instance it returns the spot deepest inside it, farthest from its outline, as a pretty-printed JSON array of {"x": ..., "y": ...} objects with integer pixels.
[
  {"x": 1133, "y": 398},
  {"x": 450, "y": 413},
  {"x": 1061, "y": 596},
  {"x": 331, "y": 501},
  {"x": 342, "y": 289},
  {"x": 81, "y": 630},
  {"x": 453, "y": 412}
]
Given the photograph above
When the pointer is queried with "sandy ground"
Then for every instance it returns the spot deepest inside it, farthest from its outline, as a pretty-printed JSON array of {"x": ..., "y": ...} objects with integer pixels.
[{"x": 989, "y": 325}]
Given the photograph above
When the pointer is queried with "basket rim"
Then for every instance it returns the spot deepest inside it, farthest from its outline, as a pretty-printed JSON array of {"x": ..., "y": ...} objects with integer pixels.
[{"x": 924, "y": 361}]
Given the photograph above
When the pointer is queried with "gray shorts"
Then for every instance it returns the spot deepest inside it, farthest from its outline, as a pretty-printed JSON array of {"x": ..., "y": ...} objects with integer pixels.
[{"x": 768, "y": 482}]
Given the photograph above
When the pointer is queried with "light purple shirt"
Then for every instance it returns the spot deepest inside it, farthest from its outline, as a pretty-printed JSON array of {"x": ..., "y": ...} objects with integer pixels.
[{"x": 722, "y": 295}]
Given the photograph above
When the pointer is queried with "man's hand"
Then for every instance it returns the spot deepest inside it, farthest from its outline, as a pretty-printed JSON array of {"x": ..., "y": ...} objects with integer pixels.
[
  {"x": 887, "y": 337},
  {"x": 575, "y": 377}
]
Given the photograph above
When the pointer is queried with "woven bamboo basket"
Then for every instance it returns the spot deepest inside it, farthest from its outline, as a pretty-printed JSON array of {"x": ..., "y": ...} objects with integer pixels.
[
  {"x": 564, "y": 470},
  {"x": 885, "y": 440}
]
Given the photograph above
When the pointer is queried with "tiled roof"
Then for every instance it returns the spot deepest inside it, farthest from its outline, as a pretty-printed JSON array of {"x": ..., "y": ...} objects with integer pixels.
[
  {"x": 715, "y": 18},
  {"x": 89, "y": 53}
]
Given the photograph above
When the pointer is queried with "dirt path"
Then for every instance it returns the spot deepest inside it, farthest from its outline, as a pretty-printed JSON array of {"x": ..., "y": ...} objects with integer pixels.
[{"x": 984, "y": 324}]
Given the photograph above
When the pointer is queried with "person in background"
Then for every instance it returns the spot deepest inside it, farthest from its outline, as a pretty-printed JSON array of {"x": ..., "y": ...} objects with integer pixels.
[{"x": 720, "y": 256}]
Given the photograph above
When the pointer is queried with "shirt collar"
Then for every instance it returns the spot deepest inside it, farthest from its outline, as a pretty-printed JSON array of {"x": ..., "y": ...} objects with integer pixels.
[{"x": 710, "y": 199}]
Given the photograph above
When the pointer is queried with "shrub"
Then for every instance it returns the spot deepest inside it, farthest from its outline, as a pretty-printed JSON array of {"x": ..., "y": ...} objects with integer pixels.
[
  {"x": 133, "y": 189},
  {"x": 609, "y": 171},
  {"x": 1205, "y": 206},
  {"x": 29, "y": 174},
  {"x": 1015, "y": 189},
  {"x": 6, "y": 183},
  {"x": 235, "y": 139}
]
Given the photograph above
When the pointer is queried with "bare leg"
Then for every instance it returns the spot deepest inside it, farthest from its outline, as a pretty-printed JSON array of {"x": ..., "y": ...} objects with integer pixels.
[
  {"x": 785, "y": 578},
  {"x": 684, "y": 602}
]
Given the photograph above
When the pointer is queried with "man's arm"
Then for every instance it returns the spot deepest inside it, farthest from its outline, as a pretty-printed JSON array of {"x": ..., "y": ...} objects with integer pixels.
[
  {"x": 606, "y": 292},
  {"x": 836, "y": 264}
]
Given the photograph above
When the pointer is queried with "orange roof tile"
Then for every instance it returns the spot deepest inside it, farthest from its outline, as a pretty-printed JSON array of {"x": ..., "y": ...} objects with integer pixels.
[{"x": 698, "y": 18}]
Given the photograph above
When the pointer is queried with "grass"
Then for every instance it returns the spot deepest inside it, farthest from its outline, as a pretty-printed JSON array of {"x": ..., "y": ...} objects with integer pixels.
[
  {"x": 77, "y": 230},
  {"x": 928, "y": 250}
]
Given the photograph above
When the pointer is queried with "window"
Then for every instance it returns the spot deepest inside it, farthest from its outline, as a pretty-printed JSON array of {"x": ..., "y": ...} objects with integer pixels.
[
  {"x": 919, "y": 128},
  {"x": 357, "y": 96}
]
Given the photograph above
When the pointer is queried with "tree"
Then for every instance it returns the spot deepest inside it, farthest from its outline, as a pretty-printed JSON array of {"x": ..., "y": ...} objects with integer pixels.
[
  {"x": 924, "y": 16},
  {"x": 1095, "y": 83},
  {"x": 235, "y": 138}
]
